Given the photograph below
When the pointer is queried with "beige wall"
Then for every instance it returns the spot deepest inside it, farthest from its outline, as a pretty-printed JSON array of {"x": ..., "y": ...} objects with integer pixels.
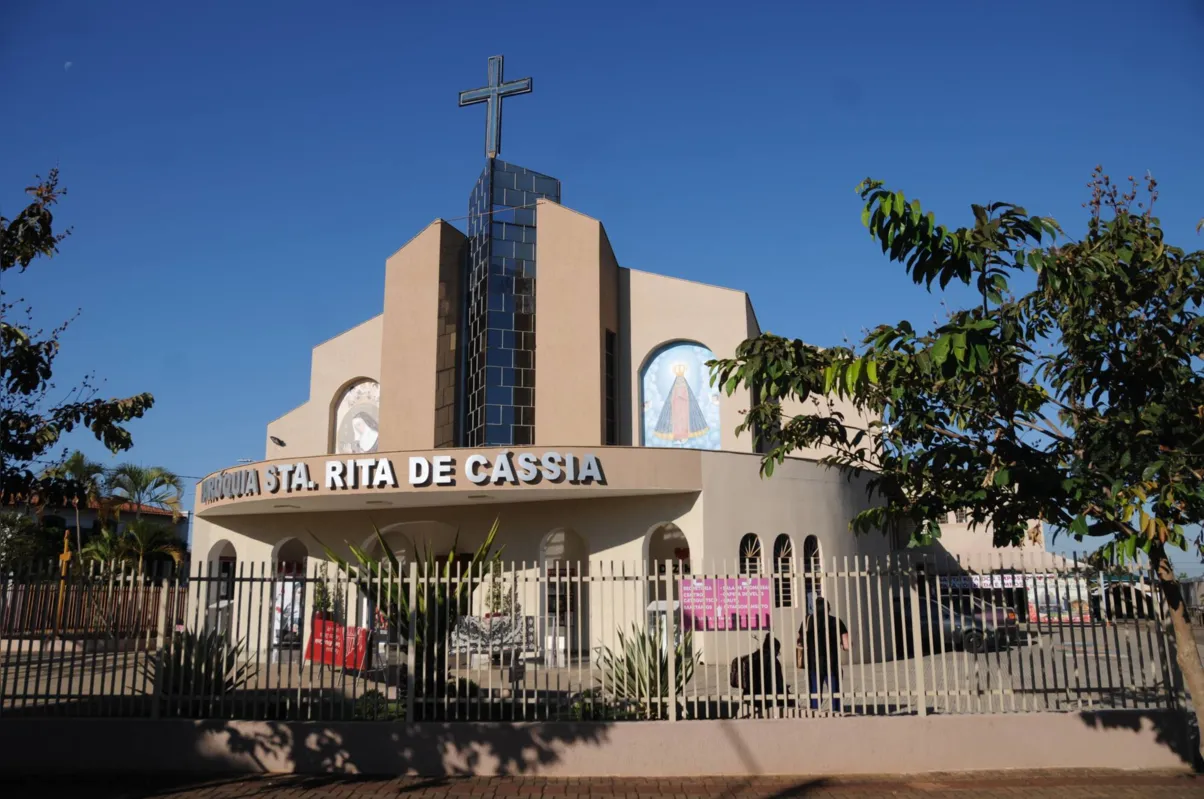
[
  {"x": 417, "y": 371},
  {"x": 575, "y": 303},
  {"x": 717, "y": 497},
  {"x": 661, "y": 310},
  {"x": 809, "y": 749},
  {"x": 801, "y": 499},
  {"x": 344, "y": 359},
  {"x": 611, "y": 532}
]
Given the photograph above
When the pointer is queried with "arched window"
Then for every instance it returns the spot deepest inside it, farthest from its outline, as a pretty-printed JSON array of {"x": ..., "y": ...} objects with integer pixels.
[
  {"x": 812, "y": 567},
  {"x": 750, "y": 554},
  {"x": 679, "y": 406},
  {"x": 783, "y": 572}
]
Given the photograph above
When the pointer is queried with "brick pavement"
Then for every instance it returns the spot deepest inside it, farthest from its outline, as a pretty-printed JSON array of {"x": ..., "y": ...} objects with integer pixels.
[{"x": 1062, "y": 785}]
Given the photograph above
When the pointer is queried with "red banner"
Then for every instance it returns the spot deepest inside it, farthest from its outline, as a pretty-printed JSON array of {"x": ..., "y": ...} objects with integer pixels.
[{"x": 335, "y": 645}]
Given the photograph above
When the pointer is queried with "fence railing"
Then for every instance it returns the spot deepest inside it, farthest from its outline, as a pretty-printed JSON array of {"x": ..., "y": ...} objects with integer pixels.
[{"x": 584, "y": 641}]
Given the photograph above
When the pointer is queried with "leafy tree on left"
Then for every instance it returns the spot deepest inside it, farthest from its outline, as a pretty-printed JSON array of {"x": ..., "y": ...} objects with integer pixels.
[{"x": 32, "y": 420}]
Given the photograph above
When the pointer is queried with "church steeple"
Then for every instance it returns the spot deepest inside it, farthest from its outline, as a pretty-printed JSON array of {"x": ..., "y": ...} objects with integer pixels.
[
  {"x": 497, "y": 334},
  {"x": 492, "y": 95}
]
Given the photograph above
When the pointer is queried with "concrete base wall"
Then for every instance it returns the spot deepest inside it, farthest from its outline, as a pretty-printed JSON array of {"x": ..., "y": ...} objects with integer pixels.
[{"x": 845, "y": 746}]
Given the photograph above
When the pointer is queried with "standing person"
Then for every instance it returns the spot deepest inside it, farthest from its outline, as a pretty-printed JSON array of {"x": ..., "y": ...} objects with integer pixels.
[{"x": 826, "y": 636}]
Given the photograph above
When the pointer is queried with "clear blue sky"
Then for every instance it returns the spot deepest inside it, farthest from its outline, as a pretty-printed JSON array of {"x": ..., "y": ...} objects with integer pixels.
[{"x": 238, "y": 172}]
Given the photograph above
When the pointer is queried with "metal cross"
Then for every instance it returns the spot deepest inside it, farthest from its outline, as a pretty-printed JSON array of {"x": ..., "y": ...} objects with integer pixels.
[{"x": 492, "y": 95}]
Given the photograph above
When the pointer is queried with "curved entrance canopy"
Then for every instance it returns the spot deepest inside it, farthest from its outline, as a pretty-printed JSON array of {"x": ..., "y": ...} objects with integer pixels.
[{"x": 447, "y": 477}]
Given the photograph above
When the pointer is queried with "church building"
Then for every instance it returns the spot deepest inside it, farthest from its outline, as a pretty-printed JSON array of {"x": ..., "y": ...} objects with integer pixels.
[{"x": 518, "y": 371}]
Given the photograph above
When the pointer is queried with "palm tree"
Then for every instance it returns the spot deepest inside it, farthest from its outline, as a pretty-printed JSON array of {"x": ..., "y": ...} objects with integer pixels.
[
  {"x": 107, "y": 549},
  {"x": 146, "y": 486},
  {"x": 90, "y": 476},
  {"x": 144, "y": 537}
]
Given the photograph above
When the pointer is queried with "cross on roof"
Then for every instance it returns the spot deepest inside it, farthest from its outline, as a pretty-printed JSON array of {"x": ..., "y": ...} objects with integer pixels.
[{"x": 492, "y": 95}]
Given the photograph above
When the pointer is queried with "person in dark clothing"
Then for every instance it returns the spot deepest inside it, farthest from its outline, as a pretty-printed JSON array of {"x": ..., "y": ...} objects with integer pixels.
[
  {"x": 761, "y": 676},
  {"x": 823, "y": 638}
]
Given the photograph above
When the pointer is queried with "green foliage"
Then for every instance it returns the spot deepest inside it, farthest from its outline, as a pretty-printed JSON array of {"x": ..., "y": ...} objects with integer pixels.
[
  {"x": 106, "y": 549},
  {"x": 146, "y": 486},
  {"x": 442, "y": 596},
  {"x": 502, "y": 596},
  {"x": 321, "y": 598},
  {"x": 1079, "y": 403},
  {"x": 197, "y": 669},
  {"x": 144, "y": 539},
  {"x": 32, "y": 424},
  {"x": 372, "y": 705},
  {"x": 88, "y": 478},
  {"x": 22, "y": 541},
  {"x": 635, "y": 677}
]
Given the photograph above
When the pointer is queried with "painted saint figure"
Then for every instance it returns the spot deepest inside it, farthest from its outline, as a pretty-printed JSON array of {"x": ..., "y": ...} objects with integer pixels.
[
  {"x": 364, "y": 429},
  {"x": 681, "y": 419}
]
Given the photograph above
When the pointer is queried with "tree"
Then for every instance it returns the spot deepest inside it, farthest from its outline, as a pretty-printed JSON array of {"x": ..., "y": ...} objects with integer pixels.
[
  {"x": 144, "y": 538},
  {"x": 89, "y": 476},
  {"x": 107, "y": 549},
  {"x": 1078, "y": 402},
  {"x": 146, "y": 486},
  {"x": 31, "y": 423},
  {"x": 20, "y": 540}
]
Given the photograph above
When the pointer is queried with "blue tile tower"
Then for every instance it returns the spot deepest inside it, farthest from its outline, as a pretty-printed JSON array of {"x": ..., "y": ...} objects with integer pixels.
[{"x": 497, "y": 378}]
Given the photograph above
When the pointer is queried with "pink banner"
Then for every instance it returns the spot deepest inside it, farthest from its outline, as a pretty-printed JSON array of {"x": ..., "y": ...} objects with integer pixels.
[{"x": 713, "y": 603}]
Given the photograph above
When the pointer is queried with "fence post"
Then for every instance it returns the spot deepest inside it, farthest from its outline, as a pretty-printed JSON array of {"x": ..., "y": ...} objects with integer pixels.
[
  {"x": 411, "y": 659},
  {"x": 157, "y": 688},
  {"x": 670, "y": 640},
  {"x": 164, "y": 592},
  {"x": 917, "y": 640}
]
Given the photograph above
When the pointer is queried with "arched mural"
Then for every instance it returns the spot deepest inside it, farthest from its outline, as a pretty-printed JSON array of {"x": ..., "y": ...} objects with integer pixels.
[
  {"x": 355, "y": 418},
  {"x": 680, "y": 408}
]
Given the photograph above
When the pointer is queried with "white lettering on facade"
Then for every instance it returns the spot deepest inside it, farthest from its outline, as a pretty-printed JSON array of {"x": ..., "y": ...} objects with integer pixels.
[
  {"x": 445, "y": 470},
  {"x": 334, "y": 475},
  {"x": 420, "y": 471},
  {"x": 286, "y": 471},
  {"x": 528, "y": 468},
  {"x": 301, "y": 478},
  {"x": 503, "y": 470},
  {"x": 383, "y": 476},
  {"x": 365, "y": 468},
  {"x": 591, "y": 470},
  {"x": 473, "y": 469},
  {"x": 506, "y": 468},
  {"x": 551, "y": 466}
]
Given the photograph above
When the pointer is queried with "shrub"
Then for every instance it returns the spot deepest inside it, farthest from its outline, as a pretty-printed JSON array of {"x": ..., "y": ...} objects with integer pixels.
[
  {"x": 197, "y": 668},
  {"x": 372, "y": 705},
  {"x": 637, "y": 675}
]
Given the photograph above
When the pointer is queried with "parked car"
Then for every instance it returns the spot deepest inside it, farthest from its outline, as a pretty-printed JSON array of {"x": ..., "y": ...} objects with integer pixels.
[
  {"x": 988, "y": 616},
  {"x": 946, "y": 626}
]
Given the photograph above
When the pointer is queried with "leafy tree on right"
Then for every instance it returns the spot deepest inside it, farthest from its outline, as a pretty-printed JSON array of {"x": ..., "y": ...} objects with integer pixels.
[{"x": 1079, "y": 402}]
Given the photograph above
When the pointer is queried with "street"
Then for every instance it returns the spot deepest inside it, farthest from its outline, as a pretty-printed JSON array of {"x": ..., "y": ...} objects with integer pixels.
[{"x": 1062, "y": 785}]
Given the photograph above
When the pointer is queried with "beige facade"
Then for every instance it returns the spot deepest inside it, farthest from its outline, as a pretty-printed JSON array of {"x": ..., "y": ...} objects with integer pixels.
[
  {"x": 622, "y": 383},
  {"x": 336, "y": 364}
]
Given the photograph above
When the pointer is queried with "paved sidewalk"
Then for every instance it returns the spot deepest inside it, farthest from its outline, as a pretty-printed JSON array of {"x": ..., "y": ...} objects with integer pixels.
[{"x": 1062, "y": 785}]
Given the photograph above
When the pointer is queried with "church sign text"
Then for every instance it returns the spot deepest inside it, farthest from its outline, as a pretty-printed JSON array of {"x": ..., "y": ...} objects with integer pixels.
[{"x": 504, "y": 468}]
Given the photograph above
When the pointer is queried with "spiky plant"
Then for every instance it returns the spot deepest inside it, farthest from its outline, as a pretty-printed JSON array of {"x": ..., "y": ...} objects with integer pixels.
[
  {"x": 636, "y": 674},
  {"x": 198, "y": 668},
  {"x": 442, "y": 598}
]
